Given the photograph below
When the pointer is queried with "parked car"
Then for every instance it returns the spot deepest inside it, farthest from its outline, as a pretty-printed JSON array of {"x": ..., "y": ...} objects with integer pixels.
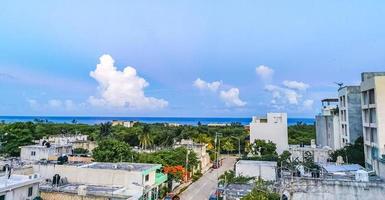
[{"x": 213, "y": 197}]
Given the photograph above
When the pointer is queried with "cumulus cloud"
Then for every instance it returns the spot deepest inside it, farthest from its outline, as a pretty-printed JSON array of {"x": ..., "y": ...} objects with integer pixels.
[
  {"x": 121, "y": 88},
  {"x": 203, "y": 85},
  {"x": 296, "y": 85},
  {"x": 264, "y": 72},
  {"x": 231, "y": 97},
  {"x": 54, "y": 103},
  {"x": 283, "y": 95},
  {"x": 67, "y": 105}
]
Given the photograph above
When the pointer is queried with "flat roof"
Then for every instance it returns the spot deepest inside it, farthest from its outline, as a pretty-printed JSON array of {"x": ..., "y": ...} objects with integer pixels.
[
  {"x": 257, "y": 162},
  {"x": 331, "y": 168},
  {"x": 42, "y": 146},
  {"x": 16, "y": 181},
  {"x": 90, "y": 190},
  {"x": 123, "y": 166}
]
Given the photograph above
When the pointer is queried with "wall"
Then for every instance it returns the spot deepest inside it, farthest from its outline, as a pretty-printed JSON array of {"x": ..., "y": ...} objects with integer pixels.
[
  {"x": 93, "y": 176},
  {"x": 332, "y": 189},
  {"x": 22, "y": 192},
  {"x": 67, "y": 196},
  {"x": 273, "y": 130},
  {"x": 256, "y": 169}
]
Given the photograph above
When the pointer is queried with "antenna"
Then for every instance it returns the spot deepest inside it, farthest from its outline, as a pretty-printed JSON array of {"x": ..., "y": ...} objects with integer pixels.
[{"x": 340, "y": 84}]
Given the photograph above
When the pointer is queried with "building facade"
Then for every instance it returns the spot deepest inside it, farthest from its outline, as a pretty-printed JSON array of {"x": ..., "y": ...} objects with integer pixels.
[
  {"x": 43, "y": 152},
  {"x": 19, "y": 187},
  {"x": 273, "y": 128},
  {"x": 200, "y": 150},
  {"x": 140, "y": 180},
  {"x": 373, "y": 119},
  {"x": 350, "y": 114},
  {"x": 328, "y": 125}
]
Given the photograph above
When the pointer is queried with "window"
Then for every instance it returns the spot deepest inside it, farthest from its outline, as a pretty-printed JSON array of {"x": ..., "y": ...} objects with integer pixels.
[
  {"x": 2, "y": 197},
  {"x": 147, "y": 177},
  {"x": 371, "y": 97},
  {"x": 33, "y": 153},
  {"x": 30, "y": 191}
]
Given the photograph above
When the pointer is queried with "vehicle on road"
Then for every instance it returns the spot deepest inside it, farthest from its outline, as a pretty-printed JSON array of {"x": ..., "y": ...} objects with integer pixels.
[{"x": 213, "y": 197}]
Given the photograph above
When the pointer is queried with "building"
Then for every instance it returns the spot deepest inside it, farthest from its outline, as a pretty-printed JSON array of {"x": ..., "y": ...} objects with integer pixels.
[
  {"x": 200, "y": 151},
  {"x": 139, "y": 180},
  {"x": 236, "y": 191},
  {"x": 273, "y": 128},
  {"x": 373, "y": 116},
  {"x": 350, "y": 114},
  {"x": 19, "y": 187},
  {"x": 127, "y": 124},
  {"x": 76, "y": 140},
  {"x": 328, "y": 125},
  {"x": 267, "y": 170},
  {"x": 44, "y": 151},
  {"x": 69, "y": 191}
]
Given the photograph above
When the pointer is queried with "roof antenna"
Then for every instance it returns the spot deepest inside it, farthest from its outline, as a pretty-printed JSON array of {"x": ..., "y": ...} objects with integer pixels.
[{"x": 340, "y": 84}]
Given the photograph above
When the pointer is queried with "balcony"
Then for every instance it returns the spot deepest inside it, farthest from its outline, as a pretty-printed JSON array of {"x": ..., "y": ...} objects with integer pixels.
[{"x": 160, "y": 178}]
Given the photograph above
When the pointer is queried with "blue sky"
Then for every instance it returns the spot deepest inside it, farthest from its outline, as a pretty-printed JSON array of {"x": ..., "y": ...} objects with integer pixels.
[{"x": 48, "y": 50}]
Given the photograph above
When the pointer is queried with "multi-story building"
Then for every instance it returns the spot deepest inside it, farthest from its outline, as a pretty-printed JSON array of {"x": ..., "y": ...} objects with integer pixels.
[
  {"x": 137, "y": 180},
  {"x": 373, "y": 119},
  {"x": 267, "y": 170},
  {"x": 350, "y": 114},
  {"x": 328, "y": 125},
  {"x": 19, "y": 187},
  {"x": 271, "y": 128}
]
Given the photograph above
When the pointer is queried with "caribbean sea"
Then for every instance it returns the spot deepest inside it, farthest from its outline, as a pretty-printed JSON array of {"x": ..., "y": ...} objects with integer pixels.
[{"x": 178, "y": 120}]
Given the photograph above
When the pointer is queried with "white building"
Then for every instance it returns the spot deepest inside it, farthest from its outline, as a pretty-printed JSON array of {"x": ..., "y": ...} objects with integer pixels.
[
  {"x": 320, "y": 155},
  {"x": 328, "y": 125},
  {"x": 271, "y": 128},
  {"x": 44, "y": 152},
  {"x": 139, "y": 180},
  {"x": 127, "y": 124},
  {"x": 350, "y": 114},
  {"x": 64, "y": 138},
  {"x": 373, "y": 116},
  {"x": 266, "y": 170},
  {"x": 19, "y": 187}
]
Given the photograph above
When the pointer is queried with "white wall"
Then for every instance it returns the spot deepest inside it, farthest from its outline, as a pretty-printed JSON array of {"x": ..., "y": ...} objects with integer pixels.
[
  {"x": 274, "y": 130},
  {"x": 263, "y": 169}
]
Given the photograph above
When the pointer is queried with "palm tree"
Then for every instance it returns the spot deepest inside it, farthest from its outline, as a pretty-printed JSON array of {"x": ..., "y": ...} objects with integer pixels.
[
  {"x": 144, "y": 137},
  {"x": 105, "y": 129}
]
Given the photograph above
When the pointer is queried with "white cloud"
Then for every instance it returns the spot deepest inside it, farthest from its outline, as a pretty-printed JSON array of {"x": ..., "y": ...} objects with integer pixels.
[
  {"x": 296, "y": 85},
  {"x": 283, "y": 95},
  {"x": 201, "y": 84},
  {"x": 264, "y": 72},
  {"x": 308, "y": 104},
  {"x": 231, "y": 97},
  {"x": 54, "y": 103},
  {"x": 121, "y": 88}
]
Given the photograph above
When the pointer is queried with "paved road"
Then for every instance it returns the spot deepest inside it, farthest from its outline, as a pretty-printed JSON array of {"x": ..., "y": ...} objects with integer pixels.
[{"x": 206, "y": 185}]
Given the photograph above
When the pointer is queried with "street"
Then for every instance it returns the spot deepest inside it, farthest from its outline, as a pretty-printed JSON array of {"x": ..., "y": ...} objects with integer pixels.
[{"x": 206, "y": 185}]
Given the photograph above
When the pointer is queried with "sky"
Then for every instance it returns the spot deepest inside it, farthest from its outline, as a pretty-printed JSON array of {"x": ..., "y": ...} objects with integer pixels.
[{"x": 183, "y": 58}]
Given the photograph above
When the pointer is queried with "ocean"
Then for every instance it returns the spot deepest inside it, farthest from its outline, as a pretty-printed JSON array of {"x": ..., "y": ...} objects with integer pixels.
[{"x": 178, "y": 120}]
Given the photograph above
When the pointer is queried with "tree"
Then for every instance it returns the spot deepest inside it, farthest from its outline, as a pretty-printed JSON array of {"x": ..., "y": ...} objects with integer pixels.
[
  {"x": 112, "y": 150},
  {"x": 229, "y": 177},
  {"x": 261, "y": 191},
  {"x": 80, "y": 151},
  {"x": 352, "y": 153},
  {"x": 228, "y": 146},
  {"x": 262, "y": 148},
  {"x": 145, "y": 139},
  {"x": 105, "y": 129}
]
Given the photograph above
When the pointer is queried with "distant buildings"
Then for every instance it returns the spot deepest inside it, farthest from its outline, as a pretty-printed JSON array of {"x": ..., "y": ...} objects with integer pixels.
[
  {"x": 127, "y": 124},
  {"x": 328, "y": 125},
  {"x": 77, "y": 141},
  {"x": 273, "y": 128},
  {"x": 373, "y": 115},
  {"x": 126, "y": 180},
  {"x": 257, "y": 169},
  {"x": 17, "y": 187},
  {"x": 350, "y": 114},
  {"x": 44, "y": 151},
  {"x": 319, "y": 155}
]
